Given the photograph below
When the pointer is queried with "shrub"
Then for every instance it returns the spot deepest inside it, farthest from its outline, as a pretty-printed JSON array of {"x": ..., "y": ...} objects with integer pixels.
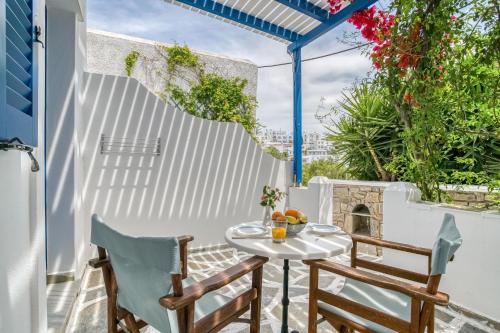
[{"x": 326, "y": 168}]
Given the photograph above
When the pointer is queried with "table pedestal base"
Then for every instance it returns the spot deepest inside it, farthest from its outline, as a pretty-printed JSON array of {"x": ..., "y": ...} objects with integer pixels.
[
  {"x": 304, "y": 245},
  {"x": 285, "y": 301}
]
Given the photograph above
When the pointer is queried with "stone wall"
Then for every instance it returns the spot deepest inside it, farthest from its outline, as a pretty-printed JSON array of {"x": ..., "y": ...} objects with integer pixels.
[
  {"x": 106, "y": 53},
  {"x": 475, "y": 198},
  {"x": 347, "y": 195}
]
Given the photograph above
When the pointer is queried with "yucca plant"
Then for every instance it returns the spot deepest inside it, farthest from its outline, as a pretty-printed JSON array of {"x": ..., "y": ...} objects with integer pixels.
[{"x": 365, "y": 132}]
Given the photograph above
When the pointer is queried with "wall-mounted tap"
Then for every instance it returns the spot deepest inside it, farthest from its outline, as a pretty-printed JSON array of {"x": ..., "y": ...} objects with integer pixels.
[{"x": 17, "y": 144}]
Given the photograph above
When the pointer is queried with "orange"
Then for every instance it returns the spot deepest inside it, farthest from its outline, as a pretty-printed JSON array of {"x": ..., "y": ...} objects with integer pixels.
[
  {"x": 277, "y": 214},
  {"x": 293, "y": 212},
  {"x": 279, "y": 232},
  {"x": 281, "y": 218}
]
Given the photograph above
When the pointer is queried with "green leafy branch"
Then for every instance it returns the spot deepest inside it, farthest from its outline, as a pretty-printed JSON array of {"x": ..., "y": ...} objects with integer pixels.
[
  {"x": 130, "y": 61},
  {"x": 271, "y": 196}
]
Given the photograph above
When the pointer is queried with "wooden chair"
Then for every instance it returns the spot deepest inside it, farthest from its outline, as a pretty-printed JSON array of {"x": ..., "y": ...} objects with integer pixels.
[
  {"x": 371, "y": 302},
  {"x": 147, "y": 278}
]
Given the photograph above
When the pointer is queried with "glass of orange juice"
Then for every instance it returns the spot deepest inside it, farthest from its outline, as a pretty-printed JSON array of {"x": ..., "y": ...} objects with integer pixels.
[{"x": 279, "y": 231}]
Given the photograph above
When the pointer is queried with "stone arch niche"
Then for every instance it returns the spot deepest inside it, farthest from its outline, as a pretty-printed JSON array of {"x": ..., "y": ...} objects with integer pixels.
[
  {"x": 360, "y": 220},
  {"x": 357, "y": 207}
]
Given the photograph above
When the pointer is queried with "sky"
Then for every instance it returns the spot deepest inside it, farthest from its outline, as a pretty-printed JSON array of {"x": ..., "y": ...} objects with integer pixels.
[{"x": 321, "y": 79}]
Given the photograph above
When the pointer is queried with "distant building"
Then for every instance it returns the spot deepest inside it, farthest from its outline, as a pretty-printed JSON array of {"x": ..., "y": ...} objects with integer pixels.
[
  {"x": 316, "y": 155},
  {"x": 314, "y": 145}
]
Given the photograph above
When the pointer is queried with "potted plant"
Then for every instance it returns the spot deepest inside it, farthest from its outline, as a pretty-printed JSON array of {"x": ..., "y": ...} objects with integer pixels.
[{"x": 270, "y": 197}]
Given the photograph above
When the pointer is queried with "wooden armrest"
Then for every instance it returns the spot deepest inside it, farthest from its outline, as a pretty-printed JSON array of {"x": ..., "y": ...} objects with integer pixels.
[
  {"x": 392, "y": 245},
  {"x": 411, "y": 290},
  {"x": 97, "y": 262},
  {"x": 197, "y": 290},
  {"x": 185, "y": 239},
  {"x": 183, "y": 248}
]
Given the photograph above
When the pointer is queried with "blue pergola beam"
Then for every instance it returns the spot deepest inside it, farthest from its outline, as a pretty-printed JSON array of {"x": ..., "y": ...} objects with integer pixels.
[
  {"x": 297, "y": 115},
  {"x": 331, "y": 23},
  {"x": 242, "y": 18},
  {"x": 307, "y": 8}
]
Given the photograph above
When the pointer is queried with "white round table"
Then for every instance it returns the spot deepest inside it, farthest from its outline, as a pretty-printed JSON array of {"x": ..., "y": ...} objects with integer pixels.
[{"x": 305, "y": 245}]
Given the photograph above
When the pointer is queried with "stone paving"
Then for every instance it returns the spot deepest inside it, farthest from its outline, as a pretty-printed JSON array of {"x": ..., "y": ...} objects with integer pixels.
[
  {"x": 90, "y": 308},
  {"x": 60, "y": 300}
]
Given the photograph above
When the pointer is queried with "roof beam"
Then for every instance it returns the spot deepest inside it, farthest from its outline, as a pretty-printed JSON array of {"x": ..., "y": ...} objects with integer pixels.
[
  {"x": 333, "y": 21},
  {"x": 225, "y": 12},
  {"x": 307, "y": 8}
]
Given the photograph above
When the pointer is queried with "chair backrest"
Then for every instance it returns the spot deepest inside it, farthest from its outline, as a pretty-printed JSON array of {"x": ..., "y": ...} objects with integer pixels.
[
  {"x": 447, "y": 243},
  {"x": 143, "y": 268}
]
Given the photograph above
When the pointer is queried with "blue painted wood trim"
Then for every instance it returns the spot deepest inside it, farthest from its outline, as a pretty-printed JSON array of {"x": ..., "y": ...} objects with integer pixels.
[
  {"x": 297, "y": 115},
  {"x": 307, "y": 8},
  {"x": 240, "y": 17},
  {"x": 3, "y": 72},
  {"x": 18, "y": 116},
  {"x": 331, "y": 23}
]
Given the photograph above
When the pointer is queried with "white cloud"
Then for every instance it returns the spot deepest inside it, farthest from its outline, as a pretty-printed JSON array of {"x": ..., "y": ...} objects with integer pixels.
[{"x": 157, "y": 20}]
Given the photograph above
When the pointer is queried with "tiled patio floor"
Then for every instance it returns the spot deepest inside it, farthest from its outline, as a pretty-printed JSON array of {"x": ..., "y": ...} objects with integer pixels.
[
  {"x": 60, "y": 299},
  {"x": 89, "y": 315}
]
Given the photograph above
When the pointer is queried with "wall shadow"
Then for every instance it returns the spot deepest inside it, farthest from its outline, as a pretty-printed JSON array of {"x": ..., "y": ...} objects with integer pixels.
[{"x": 208, "y": 176}]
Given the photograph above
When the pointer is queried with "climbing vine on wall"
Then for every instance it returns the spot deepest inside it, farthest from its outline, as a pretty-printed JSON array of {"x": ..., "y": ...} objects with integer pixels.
[
  {"x": 200, "y": 92},
  {"x": 130, "y": 61}
]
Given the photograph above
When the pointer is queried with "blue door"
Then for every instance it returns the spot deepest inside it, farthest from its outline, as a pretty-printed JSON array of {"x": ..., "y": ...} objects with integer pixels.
[{"x": 18, "y": 116}]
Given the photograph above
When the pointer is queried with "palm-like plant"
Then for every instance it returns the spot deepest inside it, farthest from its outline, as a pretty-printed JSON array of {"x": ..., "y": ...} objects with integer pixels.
[{"x": 365, "y": 132}]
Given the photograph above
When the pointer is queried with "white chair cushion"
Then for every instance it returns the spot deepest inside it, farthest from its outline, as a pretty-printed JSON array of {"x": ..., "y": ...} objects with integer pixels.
[{"x": 390, "y": 302}]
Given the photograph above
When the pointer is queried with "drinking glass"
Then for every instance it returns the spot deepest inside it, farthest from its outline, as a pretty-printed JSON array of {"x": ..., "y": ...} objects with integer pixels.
[{"x": 279, "y": 231}]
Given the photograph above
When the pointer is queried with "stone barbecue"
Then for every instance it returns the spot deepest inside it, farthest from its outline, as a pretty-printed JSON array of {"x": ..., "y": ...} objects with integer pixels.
[{"x": 357, "y": 206}]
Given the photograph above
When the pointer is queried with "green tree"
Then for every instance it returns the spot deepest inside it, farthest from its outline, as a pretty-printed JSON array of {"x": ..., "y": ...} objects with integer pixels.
[
  {"x": 326, "y": 168},
  {"x": 209, "y": 95},
  {"x": 451, "y": 120},
  {"x": 473, "y": 141},
  {"x": 365, "y": 132},
  {"x": 438, "y": 67}
]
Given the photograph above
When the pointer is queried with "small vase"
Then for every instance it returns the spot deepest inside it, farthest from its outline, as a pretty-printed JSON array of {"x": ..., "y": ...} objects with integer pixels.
[{"x": 267, "y": 217}]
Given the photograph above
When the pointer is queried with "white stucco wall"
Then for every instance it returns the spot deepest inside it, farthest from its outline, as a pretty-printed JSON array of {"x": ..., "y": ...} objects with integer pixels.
[
  {"x": 65, "y": 65},
  {"x": 472, "y": 279},
  {"x": 69, "y": 52},
  {"x": 61, "y": 73},
  {"x": 209, "y": 174},
  {"x": 78, "y": 7},
  {"x": 19, "y": 259},
  {"x": 315, "y": 200},
  {"x": 81, "y": 256},
  {"x": 23, "y": 305}
]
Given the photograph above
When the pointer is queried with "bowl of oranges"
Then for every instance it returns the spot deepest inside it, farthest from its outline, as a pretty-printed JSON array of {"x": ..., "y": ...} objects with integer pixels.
[{"x": 296, "y": 220}]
